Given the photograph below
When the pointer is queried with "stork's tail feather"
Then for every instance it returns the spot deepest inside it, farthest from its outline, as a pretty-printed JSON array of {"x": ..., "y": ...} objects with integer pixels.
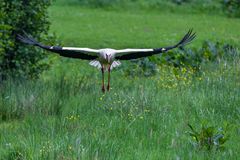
[
  {"x": 115, "y": 64},
  {"x": 98, "y": 65},
  {"x": 27, "y": 39},
  {"x": 95, "y": 63}
]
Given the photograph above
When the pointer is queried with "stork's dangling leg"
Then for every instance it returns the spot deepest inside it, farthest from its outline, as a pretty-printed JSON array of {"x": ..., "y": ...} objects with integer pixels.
[
  {"x": 109, "y": 71},
  {"x": 103, "y": 87}
]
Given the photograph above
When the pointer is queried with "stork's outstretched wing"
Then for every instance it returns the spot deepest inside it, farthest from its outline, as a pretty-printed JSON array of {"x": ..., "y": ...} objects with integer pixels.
[
  {"x": 80, "y": 53},
  {"x": 128, "y": 54}
]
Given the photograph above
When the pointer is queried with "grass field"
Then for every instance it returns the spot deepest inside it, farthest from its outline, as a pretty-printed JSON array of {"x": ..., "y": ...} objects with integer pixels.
[{"x": 64, "y": 115}]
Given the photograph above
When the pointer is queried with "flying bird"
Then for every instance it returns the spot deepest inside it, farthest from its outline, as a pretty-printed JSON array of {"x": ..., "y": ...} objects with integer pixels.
[{"x": 106, "y": 59}]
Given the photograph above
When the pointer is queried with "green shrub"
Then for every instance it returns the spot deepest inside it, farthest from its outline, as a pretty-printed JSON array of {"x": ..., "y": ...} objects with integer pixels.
[
  {"x": 143, "y": 67},
  {"x": 101, "y": 3},
  {"x": 232, "y": 7},
  {"x": 179, "y": 2},
  {"x": 187, "y": 58},
  {"x": 189, "y": 6},
  {"x": 209, "y": 137},
  {"x": 17, "y": 16}
]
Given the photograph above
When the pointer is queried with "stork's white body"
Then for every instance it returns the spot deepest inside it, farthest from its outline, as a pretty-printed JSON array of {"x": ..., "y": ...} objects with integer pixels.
[{"x": 106, "y": 59}]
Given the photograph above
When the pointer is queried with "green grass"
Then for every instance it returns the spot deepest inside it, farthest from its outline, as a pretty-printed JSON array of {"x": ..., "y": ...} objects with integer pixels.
[
  {"x": 64, "y": 115},
  {"x": 69, "y": 118}
]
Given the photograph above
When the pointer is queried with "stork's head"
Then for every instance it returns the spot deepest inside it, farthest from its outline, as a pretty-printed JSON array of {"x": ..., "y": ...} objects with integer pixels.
[{"x": 108, "y": 57}]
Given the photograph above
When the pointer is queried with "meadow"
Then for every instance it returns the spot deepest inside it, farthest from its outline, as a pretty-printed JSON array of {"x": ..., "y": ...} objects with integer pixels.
[{"x": 64, "y": 115}]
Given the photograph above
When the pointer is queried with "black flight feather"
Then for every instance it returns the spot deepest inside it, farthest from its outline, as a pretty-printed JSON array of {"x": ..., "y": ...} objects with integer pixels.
[{"x": 56, "y": 49}]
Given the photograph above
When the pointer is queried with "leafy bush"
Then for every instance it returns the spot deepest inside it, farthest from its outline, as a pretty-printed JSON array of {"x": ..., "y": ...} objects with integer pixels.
[
  {"x": 189, "y": 6},
  {"x": 209, "y": 137},
  {"x": 182, "y": 58},
  {"x": 210, "y": 51},
  {"x": 101, "y": 3},
  {"x": 232, "y": 7},
  {"x": 143, "y": 67},
  {"x": 179, "y": 2},
  {"x": 17, "y": 15}
]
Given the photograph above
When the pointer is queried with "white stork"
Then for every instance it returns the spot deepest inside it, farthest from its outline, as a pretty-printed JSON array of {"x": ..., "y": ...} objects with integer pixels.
[{"x": 106, "y": 59}]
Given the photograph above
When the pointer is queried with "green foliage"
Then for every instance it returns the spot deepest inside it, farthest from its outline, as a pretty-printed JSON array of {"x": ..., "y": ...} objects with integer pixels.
[
  {"x": 209, "y": 52},
  {"x": 16, "y": 153},
  {"x": 16, "y": 16},
  {"x": 180, "y": 2},
  {"x": 100, "y": 3},
  {"x": 209, "y": 137},
  {"x": 152, "y": 3},
  {"x": 142, "y": 67},
  {"x": 231, "y": 7},
  {"x": 181, "y": 58},
  {"x": 206, "y": 6}
]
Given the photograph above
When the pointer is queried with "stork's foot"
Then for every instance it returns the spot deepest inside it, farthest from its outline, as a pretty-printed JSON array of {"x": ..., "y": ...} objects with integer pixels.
[
  {"x": 103, "y": 89},
  {"x": 108, "y": 87}
]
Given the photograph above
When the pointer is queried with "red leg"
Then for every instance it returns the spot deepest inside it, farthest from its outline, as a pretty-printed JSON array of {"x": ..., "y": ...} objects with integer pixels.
[
  {"x": 103, "y": 87},
  {"x": 109, "y": 71}
]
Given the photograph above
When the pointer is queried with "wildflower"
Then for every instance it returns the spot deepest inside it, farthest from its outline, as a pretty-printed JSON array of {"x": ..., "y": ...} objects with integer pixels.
[{"x": 184, "y": 70}]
